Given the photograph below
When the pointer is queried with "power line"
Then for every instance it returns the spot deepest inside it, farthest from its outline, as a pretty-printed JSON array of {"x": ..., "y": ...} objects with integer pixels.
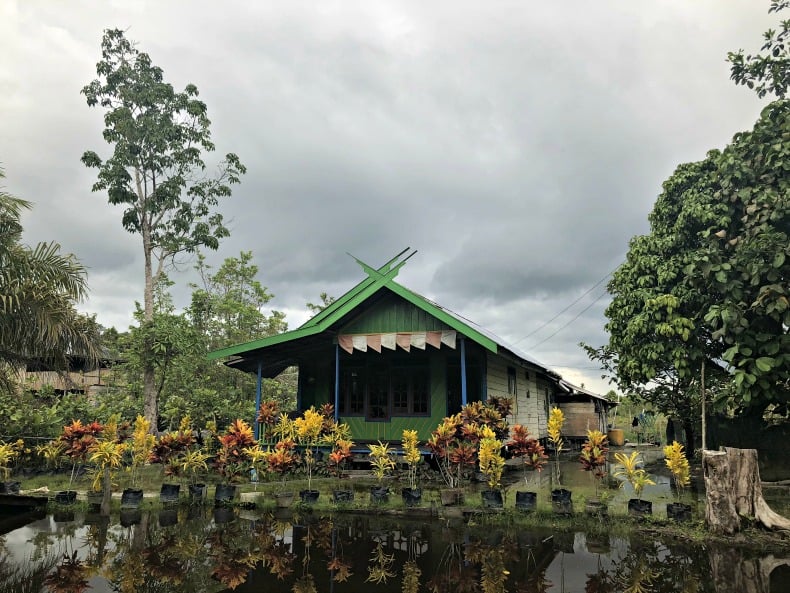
[
  {"x": 588, "y": 291},
  {"x": 562, "y": 327}
]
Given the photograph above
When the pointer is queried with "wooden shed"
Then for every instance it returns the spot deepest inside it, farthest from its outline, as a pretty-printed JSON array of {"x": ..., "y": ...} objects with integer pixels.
[{"x": 583, "y": 409}]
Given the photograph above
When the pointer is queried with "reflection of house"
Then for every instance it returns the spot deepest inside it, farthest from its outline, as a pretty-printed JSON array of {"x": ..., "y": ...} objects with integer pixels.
[
  {"x": 390, "y": 359},
  {"x": 583, "y": 410},
  {"x": 81, "y": 376}
]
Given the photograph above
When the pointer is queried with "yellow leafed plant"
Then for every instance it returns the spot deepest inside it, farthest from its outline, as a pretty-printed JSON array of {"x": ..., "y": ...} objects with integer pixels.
[{"x": 678, "y": 465}]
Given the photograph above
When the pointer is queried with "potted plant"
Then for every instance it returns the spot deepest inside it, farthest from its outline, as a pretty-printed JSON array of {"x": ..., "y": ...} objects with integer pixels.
[
  {"x": 282, "y": 460},
  {"x": 52, "y": 453},
  {"x": 140, "y": 447},
  {"x": 560, "y": 497},
  {"x": 105, "y": 456},
  {"x": 411, "y": 455},
  {"x": 309, "y": 427},
  {"x": 166, "y": 450},
  {"x": 454, "y": 447},
  {"x": 77, "y": 439},
  {"x": 491, "y": 466},
  {"x": 8, "y": 452},
  {"x": 382, "y": 464},
  {"x": 340, "y": 454},
  {"x": 635, "y": 475},
  {"x": 593, "y": 460},
  {"x": 193, "y": 467},
  {"x": 524, "y": 446},
  {"x": 676, "y": 461},
  {"x": 231, "y": 461}
]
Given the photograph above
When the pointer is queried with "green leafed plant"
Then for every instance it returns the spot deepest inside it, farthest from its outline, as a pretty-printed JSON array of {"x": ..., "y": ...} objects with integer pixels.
[{"x": 632, "y": 472}]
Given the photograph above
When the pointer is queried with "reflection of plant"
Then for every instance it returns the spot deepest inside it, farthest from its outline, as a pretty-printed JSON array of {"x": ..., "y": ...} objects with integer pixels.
[
  {"x": 635, "y": 574},
  {"x": 491, "y": 461},
  {"x": 411, "y": 456},
  {"x": 528, "y": 448},
  {"x": 635, "y": 475},
  {"x": 554, "y": 430},
  {"x": 600, "y": 581},
  {"x": 593, "y": 456},
  {"x": 70, "y": 576},
  {"x": 678, "y": 465},
  {"x": 380, "y": 567}
]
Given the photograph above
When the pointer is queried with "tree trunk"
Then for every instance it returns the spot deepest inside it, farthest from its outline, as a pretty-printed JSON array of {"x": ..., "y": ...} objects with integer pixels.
[
  {"x": 734, "y": 490},
  {"x": 688, "y": 433},
  {"x": 732, "y": 573},
  {"x": 106, "y": 492},
  {"x": 150, "y": 399}
]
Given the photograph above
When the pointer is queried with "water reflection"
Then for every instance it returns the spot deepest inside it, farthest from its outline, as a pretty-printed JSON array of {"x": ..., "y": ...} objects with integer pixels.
[{"x": 208, "y": 550}]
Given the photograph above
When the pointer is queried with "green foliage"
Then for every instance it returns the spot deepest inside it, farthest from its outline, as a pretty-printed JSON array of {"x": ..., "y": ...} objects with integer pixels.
[
  {"x": 156, "y": 171},
  {"x": 39, "y": 287},
  {"x": 767, "y": 73}
]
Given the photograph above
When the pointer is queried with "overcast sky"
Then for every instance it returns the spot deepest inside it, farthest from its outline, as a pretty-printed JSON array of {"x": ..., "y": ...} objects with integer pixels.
[{"x": 517, "y": 146}]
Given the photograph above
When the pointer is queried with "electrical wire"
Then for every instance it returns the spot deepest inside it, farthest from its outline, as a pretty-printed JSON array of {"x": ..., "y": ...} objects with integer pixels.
[
  {"x": 588, "y": 291},
  {"x": 562, "y": 327}
]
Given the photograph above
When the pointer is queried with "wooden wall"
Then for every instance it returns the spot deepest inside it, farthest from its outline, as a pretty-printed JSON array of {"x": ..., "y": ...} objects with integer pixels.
[{"x": 529, "y": 404}]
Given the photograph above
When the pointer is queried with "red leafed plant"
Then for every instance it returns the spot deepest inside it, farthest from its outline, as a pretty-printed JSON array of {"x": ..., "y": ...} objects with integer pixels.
[
  {"x": 528, "y": 448},
  {"x": 168, "y": 447},
  {"x": 593, "y": 455},
  {"x": 232, "y": 461},
  {"x": 78, "y": 440}
]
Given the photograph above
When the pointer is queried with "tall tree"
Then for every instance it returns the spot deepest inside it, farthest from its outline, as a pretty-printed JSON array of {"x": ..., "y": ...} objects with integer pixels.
[
  {"x": 710, "y": 281},
  {"x": 39, "y": 287},
  {"x": 156, "y": 170}
]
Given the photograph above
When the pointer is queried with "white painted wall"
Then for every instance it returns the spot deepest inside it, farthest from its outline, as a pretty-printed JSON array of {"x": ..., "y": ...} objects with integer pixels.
[{"x": 529, "y": 405}]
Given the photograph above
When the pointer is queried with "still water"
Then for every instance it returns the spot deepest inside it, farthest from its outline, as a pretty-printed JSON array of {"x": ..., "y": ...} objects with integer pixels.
[{"x": 211, "y": 550}]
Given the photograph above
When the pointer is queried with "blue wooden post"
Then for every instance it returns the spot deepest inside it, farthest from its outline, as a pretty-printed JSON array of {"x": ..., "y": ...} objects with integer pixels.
[
  {"x": 337, "y": 382},
  {"x": 258, "y": 400},
  {"x": 463, "y": 372}
]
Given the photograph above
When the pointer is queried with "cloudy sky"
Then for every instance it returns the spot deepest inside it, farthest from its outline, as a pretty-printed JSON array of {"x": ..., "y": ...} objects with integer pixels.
[{"x": 517, "y": 145}]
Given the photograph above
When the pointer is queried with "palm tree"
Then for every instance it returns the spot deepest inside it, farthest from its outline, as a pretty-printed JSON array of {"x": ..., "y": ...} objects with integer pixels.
[{"x": 39, "y": 287}]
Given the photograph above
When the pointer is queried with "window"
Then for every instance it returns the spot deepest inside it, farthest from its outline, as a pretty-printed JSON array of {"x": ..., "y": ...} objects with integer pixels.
[
  {"x": 380, "y": 391},
  {"x": 511, "y": 381}
]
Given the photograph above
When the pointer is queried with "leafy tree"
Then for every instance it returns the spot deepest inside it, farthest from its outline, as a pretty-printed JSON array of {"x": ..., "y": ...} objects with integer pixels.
[
  {"x": 326, "y": 300},
  {"x": 767, "y": 73},
  {"x": 229, "y": 306},
  {"x": 39, "y": 287},
  {"x": 710, "y": 282},
  {"x": 156, "y": 170}
]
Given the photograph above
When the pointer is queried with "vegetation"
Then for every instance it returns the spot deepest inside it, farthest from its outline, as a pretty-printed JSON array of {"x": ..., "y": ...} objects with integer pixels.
[
  {"x": 39, "y": 288},
  {"x": 593, "y": 456},
  {"x": 554, "y": 430},
  {"x": 633, "y": 472},
  {"x": 527, "y": 448},
  {"x": 490, "y": 457},
  {"x": 156, "y": 171},
  {"x": 707, "y": 285},
  {"x": 678, "y": 465}
]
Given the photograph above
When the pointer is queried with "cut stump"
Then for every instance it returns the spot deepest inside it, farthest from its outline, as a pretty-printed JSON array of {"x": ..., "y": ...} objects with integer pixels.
[{"x": 734, "y": 490}]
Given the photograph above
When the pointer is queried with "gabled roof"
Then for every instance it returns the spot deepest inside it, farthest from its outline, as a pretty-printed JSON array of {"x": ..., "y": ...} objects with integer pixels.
[{"x": 379, "y": 279}]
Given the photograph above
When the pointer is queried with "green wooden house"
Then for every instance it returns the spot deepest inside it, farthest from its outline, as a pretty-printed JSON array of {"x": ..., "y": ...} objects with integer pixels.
[{"x": 389, "y": 358}]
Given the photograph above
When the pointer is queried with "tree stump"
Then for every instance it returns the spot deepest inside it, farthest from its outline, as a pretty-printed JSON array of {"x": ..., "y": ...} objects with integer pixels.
[
  {"x": 734, "y": 490},
  {"x": 732, "y": 573}
]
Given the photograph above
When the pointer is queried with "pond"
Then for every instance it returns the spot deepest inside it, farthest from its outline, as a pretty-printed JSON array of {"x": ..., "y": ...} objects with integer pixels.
[{"x": 202, "y": 549}]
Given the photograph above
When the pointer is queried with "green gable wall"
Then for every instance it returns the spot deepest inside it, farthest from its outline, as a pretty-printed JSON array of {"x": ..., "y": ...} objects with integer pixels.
[{"x": 393, "y": 314}]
